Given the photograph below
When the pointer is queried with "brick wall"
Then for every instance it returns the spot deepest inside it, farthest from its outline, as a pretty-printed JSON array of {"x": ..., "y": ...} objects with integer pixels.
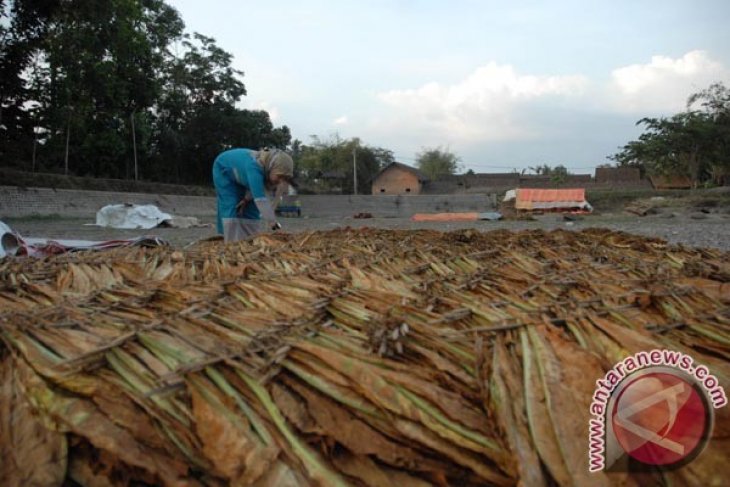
[
  {"x": 617, "y": 174},
  {"x": 491, "y": 180},
  {"x": 396, "y": 180}
]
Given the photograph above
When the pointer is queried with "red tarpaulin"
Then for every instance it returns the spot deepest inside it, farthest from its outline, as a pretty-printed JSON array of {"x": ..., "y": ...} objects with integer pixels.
[{"x": 552, "y": 199}]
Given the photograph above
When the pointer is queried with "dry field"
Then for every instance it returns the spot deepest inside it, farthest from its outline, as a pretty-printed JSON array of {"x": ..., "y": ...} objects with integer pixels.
[{"x": 689, "y": 227}]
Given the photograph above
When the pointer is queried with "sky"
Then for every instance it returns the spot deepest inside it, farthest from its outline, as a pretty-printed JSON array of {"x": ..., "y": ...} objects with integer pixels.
[{"x": 502, "y": 84}]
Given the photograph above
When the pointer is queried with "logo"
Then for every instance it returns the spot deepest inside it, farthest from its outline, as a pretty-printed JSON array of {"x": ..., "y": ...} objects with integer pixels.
[
  {"x": 660, "y": 418},
  {"x": 654, "y": 409}
]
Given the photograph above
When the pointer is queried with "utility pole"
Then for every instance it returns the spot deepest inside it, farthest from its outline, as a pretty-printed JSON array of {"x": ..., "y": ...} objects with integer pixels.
[
  {"x": 35, "y": 142},
  {"x": 354, "y": 170},
  {"x": 68, "y": 139},
  {"x": 134, "y": 147}
]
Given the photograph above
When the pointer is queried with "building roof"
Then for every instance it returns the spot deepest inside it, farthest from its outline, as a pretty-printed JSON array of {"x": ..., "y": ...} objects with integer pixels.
[
  {"x": 671, "y": 182},
  {"x": 421, "y": 177}
]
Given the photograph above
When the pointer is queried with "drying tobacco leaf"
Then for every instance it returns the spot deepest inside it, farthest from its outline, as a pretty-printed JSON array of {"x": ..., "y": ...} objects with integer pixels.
[
  {"x": 351, "y": 357},
  {"x": 31, "y": 452}
]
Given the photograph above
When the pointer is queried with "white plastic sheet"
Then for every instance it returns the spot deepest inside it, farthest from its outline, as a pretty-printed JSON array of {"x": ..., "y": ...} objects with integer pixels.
[
  {"x": 131, "y": 216},
  {"x": 12, "y": 244},
  {"x": 9, "y": 241}
]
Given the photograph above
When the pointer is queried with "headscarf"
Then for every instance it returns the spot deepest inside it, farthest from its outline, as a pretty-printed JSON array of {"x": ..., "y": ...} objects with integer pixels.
[{"x": 274, "y": 161}]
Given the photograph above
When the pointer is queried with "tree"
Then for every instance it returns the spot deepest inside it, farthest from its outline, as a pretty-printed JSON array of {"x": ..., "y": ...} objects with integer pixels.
[
  {"x": 23, "y": 25},
  {"x": 558, "y": 174},
  {"x": 94, "y": 76},
  {"x": 692, "y": 143},
  {"x": 437, "y": 162},
  {"x": 679, "y": 145},
  {"x": 197, "y": 114},
  {"x": 327, "y": 165},
  {"x": 99, "y": 85},
  {"x": 541, "y": 170},
  {"x": 715, "y": 103},
  {"x": 547, "y": 170}
]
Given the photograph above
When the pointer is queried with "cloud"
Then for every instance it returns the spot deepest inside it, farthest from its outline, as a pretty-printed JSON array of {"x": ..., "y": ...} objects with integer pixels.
[
  {"x": 663, "y": 84},
  {"x": 487, "y": 105},
  {"x": 497, "y": 104},
  {"x": 340, "y": 120}
]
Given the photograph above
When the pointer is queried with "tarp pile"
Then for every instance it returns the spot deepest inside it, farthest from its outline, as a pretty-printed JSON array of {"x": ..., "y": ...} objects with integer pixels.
[
  {"x": 562, "y": 200},
  {"x": 12, "y": 244},
  {"x": 357, "y": 357},
  {"x": 130, "y": 216}
]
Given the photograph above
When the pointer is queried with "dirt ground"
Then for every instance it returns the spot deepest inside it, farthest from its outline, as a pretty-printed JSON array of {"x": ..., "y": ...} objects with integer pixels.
[{"x": 692, "y": 228}]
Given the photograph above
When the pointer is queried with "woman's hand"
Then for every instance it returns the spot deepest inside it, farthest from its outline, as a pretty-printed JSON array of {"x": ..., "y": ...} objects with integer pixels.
[{"x": 247, "y": 198}]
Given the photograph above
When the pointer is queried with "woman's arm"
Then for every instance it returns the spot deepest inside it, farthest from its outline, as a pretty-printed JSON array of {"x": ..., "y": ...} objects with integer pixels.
[{"x": 255, "y": 179}]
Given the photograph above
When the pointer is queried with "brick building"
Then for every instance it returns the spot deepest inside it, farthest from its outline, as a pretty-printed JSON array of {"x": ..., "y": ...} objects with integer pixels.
[{"x": 397, "y": 178}]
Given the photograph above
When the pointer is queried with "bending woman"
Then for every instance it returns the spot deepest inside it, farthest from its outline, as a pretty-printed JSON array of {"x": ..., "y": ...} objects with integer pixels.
[{"x": 241, "y": 178}]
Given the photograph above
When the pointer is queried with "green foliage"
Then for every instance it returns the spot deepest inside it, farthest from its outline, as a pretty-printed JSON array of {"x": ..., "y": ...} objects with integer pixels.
[
  {"x": 23, "y": 24},
  {"x": 558, "y": 174},
  {"x": 327, "y": 165},
  {"x": 693, "y": 143},
  {"x": 437, "y": 162},
  {"x": 547, "y": 170},
  {"x": 87, "y": 72}
]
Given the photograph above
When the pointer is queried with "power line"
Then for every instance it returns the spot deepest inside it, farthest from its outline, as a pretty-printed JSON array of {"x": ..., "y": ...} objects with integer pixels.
[
  {"x": 495, "y": 166},
  {"x": 488, "y": 166}
]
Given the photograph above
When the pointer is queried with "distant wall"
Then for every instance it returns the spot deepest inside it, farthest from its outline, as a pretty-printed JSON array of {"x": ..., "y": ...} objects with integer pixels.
[
  {"x": 617, "y": 174},
  {"x": 443, "y": 187},
  {"x": 394, "y": 206},
  {"x": 496, "y": 180},
  {"x": 24, "y": 179},
  {"x": 19, "y": 202},
  {"x": 491, "y": 183},
  {"x": 530, "y": 181}
]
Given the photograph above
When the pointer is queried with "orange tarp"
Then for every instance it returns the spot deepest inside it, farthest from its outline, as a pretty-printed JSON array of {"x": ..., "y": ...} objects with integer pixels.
[
  {"x": 555, "y": 199},
  {"x": 445, "y": 217}
]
